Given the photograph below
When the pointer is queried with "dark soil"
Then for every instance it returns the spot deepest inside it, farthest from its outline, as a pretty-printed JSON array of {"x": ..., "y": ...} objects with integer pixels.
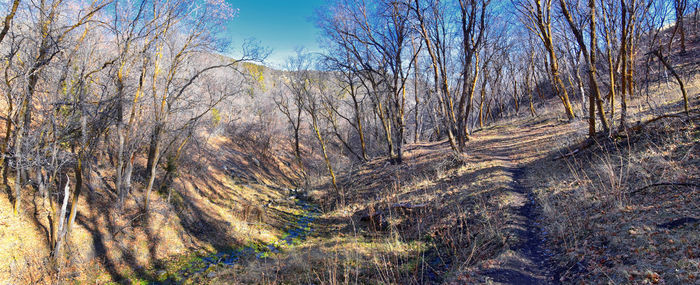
[{"x": 529, "y": 262}]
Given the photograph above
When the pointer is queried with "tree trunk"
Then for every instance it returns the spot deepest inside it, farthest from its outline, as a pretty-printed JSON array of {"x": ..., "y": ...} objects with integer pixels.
[
  {"x": 488, "y": 110},
  {"x": 623, "y": 62},
  {"x": 481, "y": 107},
  {"x": 76, "y": 194},
  {"x": 6, "y": 140},
  {"x": 152, "y": 173},
  {"x": 529, "y": 91},
  {"x": 564, "y": 95},
  {"x": 126, "y": 185},
  {"x": 415, "y": 96},
  {"x": 59, "y": 238},
  {"x": 8, "y": 20},
  {"x": 120, "y": 165},
  {"x": 325, "y": 154},
  {"x": 468, "y": 94},
  {"x": 611, "y": 74},
  {"x": 155, "y": 138},
  {"x": 297, "y": 148},
  {"x": 360, "y": 132},
  {"x": 593, "y": 69},
  {"x": 559, "y": 84},
  {"x": 678, "y": 79},
  {"x": 515, "y": 96},
  {"x": 18, "y": 169},
  {"x": 386, "y": 125},
  {"x": 581, "y": 90}
]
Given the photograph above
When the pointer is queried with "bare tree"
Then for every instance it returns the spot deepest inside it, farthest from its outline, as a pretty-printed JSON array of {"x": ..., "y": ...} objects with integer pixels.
[
  {"x": 537, "y": 17},
  {"x": 346, "y": 70},
  {"x": 291, "y": 105},
  {"x": 679, "y": 6},
  {"x": 52, "y": 37},
  {"x": 308, "y": 86},
  {"x": 589, "y": 53},
  {"x": 435, "y": 30},
  {"x": 473, "y": 26}
]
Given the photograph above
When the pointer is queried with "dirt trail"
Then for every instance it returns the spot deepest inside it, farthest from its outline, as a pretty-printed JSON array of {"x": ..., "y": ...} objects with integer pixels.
[{"x": 526, "y": 260}]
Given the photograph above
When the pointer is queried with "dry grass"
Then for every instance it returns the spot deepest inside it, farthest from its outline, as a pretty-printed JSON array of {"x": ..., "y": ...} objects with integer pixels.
[
  {"x": 603, "y": 226},
  {"x": 203, "y": 213},
  {"x": 609, "y": 230},
  {"x": 460, "y": 225},
  {"x": 453, "y": 219}
]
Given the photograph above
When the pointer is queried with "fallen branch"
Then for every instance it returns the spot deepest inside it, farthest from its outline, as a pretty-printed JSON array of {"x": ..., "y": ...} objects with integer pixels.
[
  {"x": 407, "y": 206},
  {"x": 571, "y": 153},
  {"x": 664, "y": 184},
  {"x": 678, "y": 222},
  {"x": 635, "y": 129},
  {"x": 127, "y": 225},
  {"x": 585, "y": 144},
  {"x": 640, "y": 126}
]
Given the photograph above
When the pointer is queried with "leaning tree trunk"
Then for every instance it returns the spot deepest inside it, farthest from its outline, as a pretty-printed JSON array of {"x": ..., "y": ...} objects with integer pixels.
[
  {"x": 152, "y": 174},
  {"x": 59, "y": 237},
  {"x": 155, "y": 138},
  {"x": 18, "y": 169},
  {"x": 678, "y": 79},
  {"x": 559, "y": 85},
  {"x": 317, "y": 131}
]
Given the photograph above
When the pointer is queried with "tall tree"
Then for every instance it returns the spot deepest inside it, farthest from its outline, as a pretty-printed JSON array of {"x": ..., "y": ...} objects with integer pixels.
[
  {"x": 473, "y": 26},
  {"x": 537, "y": 17},
  {"x": 377, "y": 37},
  {"x": 589, "y": 53},
  {"x": 435, "y": 29},
  {"x": 308, "y": 86}
]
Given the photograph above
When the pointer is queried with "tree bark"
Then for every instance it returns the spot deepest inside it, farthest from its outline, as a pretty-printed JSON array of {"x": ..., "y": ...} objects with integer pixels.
[
  {"x": 8, "y": 20},
  {"x": 317, "y": 131},
  {"x": 678, "y": 79}
]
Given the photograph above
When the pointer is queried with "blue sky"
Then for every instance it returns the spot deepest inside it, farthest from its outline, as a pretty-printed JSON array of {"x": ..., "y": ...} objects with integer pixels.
[{"x": 278, "y": 24}]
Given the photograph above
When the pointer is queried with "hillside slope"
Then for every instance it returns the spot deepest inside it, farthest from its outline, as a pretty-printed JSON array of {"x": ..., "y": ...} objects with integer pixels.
[
  {"x": 210, "y": 207},
  {"x": 528, "y": 203}
]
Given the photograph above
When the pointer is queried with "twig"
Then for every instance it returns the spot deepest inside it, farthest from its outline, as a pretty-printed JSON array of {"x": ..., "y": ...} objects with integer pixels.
[
  {"x": 128, "y": 224},
  {"x": 640, "y": 126},
  {"x": 571, "y": 153},
  {"x": 585, "y": 144},
  {"x": 664, "y": 184}
]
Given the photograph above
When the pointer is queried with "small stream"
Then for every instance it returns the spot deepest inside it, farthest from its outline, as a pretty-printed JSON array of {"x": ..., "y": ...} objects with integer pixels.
[{"x": 296, "y": 231}]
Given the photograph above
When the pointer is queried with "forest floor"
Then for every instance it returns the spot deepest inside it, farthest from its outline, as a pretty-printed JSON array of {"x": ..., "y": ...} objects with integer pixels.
[{"x": 433, "y": 219}]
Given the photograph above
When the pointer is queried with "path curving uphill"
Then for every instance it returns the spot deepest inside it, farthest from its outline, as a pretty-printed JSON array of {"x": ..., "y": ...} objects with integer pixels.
[{"x": 527, "y": 259}]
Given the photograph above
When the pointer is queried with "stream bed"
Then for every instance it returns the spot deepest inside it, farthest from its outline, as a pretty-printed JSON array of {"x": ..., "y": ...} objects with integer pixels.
[{"x": 295, "y": 232}]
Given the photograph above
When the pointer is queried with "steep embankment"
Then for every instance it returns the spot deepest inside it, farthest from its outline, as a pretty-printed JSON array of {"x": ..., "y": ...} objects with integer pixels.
[{"x": 218, "y": 202}]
